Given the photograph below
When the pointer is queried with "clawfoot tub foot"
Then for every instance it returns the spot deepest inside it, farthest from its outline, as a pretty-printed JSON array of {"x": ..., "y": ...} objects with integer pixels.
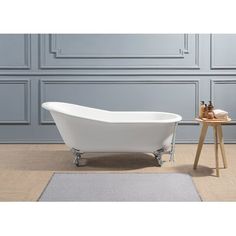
[
  {"x": 77, "y": 155},
  {"x": 158, "y": 157},
  {"x": 159, "y": 160},
  {"x": 165, "y": 150},
  {"x": 76, "y": 161}
]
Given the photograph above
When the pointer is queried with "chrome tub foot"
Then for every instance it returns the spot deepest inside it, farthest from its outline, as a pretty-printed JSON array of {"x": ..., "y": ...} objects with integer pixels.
[
  {"x": 158, "y": 156},
  {"x": 77, "y": 155}
]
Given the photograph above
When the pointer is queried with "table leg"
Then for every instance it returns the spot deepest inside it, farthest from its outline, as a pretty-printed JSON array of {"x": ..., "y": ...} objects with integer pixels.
[
  {"x": 221, "y": 141},
  {"x": 216, "y": 150},
  {"x": 200, "y": 144}
]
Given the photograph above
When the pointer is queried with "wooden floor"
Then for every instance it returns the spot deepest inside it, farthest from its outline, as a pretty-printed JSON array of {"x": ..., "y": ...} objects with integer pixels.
[{"x": 25, "y": 169}]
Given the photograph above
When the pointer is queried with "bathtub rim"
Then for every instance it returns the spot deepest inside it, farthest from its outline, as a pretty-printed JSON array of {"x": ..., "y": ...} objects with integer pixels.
[{"x": 48, "y": 106}]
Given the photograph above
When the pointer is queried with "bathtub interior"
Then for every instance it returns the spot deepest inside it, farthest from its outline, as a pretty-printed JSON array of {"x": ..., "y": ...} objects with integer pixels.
[{"x": 111, "y": 116}]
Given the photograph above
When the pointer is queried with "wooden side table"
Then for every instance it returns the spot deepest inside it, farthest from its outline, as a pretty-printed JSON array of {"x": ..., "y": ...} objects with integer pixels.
[{"x": 218, "y": 137}]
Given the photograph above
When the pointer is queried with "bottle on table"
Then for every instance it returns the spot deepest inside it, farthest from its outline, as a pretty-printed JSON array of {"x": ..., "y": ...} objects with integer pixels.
[
  {"x": 205, "y": 111},
  {"x": 210, "y": 113},
  {"x": 201, "y": 109}
]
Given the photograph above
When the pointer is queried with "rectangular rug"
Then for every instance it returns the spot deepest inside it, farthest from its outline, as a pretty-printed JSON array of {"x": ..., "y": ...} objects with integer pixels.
[{"x": 119, "y": 187}]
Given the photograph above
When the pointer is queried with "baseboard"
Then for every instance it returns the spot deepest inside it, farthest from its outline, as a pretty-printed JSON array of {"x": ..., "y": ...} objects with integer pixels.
[
  {"x": 31, "y": 142},
  {"x": 180, "y": 141}
]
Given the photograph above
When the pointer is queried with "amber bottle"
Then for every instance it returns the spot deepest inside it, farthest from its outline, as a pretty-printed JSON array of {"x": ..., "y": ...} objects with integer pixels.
[{"x": 210, "y": 113}]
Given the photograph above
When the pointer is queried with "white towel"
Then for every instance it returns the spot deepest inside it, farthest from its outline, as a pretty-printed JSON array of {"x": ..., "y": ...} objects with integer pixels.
[{"x": 220, "y": 113}]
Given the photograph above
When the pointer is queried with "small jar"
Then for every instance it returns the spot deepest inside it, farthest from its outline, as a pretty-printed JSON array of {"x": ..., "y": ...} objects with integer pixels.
[{"x": 210, "y": 115}]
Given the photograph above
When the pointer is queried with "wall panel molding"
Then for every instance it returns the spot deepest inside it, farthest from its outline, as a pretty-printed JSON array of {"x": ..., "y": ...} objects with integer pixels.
[
  {"x": 213, "y": 65},
  {"x": 27, "y": 56},
  {"x": 215, "y": 82},
  {"x": 59, "y": 54},
  {"x": 44, "y": 82},
  {"x": 50, "y": 55},
  {"x": 26, "y": 83}
]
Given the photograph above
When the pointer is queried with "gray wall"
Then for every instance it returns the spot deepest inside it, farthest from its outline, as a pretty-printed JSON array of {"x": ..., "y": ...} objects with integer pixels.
[{"x": 118, "y": 72}]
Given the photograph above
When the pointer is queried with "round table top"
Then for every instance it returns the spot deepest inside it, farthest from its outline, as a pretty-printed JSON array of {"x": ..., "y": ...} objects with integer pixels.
[{"x": 215, "y": 121}]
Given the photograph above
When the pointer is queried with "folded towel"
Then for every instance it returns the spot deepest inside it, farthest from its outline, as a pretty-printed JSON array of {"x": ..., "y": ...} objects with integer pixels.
[{"x": 220, "y": 113}]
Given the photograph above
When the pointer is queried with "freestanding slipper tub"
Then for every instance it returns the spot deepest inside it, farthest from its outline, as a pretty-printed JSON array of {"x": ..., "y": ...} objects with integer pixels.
[{"x": 86, "y": 129}]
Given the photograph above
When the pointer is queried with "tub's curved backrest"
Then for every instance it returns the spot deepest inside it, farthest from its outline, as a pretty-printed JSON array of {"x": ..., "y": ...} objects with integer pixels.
[{"x": 77, "y": 111}]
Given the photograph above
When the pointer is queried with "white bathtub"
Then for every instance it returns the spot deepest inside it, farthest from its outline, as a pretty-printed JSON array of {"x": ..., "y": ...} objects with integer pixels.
[{"x": 86, "y": 129}]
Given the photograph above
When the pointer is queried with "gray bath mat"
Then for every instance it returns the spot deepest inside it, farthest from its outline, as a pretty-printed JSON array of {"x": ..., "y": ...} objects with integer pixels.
[{"x": 120, "y": 187}]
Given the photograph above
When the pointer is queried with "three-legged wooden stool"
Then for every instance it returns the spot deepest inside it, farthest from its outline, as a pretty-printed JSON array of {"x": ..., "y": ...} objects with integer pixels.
[{"x": 218, "y": 136}]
